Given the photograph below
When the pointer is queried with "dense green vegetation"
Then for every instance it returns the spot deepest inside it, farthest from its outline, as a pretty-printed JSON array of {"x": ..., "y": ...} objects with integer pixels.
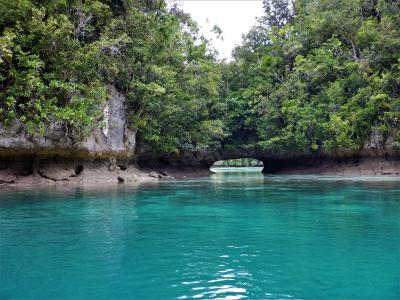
[
  {"x": 58, "y": 58},
  {"x": 317, "y": 76},
  {"x": 311, "y": 76}
]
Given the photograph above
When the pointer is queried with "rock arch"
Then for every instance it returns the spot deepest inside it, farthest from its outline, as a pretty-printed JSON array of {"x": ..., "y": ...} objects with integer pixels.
[{"x": 382, "y": 162}]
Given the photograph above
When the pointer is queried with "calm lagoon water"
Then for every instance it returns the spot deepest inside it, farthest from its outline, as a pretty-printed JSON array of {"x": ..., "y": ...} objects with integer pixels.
[{"x": 234, "y": 235}]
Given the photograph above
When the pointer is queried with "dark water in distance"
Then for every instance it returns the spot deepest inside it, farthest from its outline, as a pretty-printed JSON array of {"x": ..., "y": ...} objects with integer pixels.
[{"x": 229, "y": 236}]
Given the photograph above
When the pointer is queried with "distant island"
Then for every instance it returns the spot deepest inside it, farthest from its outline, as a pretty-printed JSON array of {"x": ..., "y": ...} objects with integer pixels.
[{"x": 241, "y": 162}]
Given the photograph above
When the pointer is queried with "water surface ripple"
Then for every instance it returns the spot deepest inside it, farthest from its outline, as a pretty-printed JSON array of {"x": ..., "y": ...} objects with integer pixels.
[{"x": 230, "y": 236}]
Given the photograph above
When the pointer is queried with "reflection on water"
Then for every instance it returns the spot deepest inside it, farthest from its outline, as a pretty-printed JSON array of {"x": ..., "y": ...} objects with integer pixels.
[{"x": 232, "y": 235}]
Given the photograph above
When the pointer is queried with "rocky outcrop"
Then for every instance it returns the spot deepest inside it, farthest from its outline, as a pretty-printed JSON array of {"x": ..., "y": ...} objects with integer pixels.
[
  {"x": 109, "y": 155},
  {"x": 28, "y": 170},
  {"x": 112, "y": 139},
  {"x": 147, "y": 157},
  {"x": 379, "y": 156},
  {"x": 344, "y": 166},
  {"x": 104, "y": 156}
]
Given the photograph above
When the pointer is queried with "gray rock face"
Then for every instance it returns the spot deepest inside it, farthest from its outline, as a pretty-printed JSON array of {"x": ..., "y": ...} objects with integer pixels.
[
  {"x": 379, "y": 156},
  {"x": 113, "y": 139},
  {"x": 32, "y": 170}
]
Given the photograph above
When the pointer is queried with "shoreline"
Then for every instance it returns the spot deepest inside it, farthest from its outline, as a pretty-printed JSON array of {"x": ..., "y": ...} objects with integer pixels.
[
  {"x": 367, "y": 166},
  {"x": 35, "y": 171},
  {"x": 59, "y": 172},
  {"x": 29, "y": 172}
]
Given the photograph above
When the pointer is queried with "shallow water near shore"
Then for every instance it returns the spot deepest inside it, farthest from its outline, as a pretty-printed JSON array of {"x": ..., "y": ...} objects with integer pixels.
[{"x": 234, "y": 235}]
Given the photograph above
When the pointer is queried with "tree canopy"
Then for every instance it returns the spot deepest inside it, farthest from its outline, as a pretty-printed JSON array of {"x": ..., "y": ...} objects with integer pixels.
[
  {"x": 310, "y": 76},
  {"x": 317, "y": 76}
]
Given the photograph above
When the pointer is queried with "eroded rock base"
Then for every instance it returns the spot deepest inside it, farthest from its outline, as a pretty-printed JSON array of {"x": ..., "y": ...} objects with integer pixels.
[
  {"x": 368, "y": 166},
  {"x": 31, "y": 170}
]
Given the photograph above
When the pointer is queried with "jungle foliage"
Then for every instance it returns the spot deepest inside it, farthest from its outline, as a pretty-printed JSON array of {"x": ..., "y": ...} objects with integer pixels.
[
  {"x": 317, "y": 76},
  {"x": 58, "y": 58},
  {"x": 311, "y": 75}
]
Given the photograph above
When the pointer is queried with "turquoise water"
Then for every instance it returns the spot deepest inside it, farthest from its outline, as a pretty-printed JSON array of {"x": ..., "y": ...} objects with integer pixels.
[{"x": 229, "y": 236}]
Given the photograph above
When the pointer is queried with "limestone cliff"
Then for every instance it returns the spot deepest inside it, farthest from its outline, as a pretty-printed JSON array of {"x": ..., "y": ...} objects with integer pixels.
[
  {"x": 112, "y": 138},
  {"x": 103, "y": 156}
]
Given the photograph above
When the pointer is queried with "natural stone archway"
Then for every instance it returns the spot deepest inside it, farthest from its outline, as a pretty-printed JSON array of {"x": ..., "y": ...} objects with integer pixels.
[{"x": 366, "y": 162}]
